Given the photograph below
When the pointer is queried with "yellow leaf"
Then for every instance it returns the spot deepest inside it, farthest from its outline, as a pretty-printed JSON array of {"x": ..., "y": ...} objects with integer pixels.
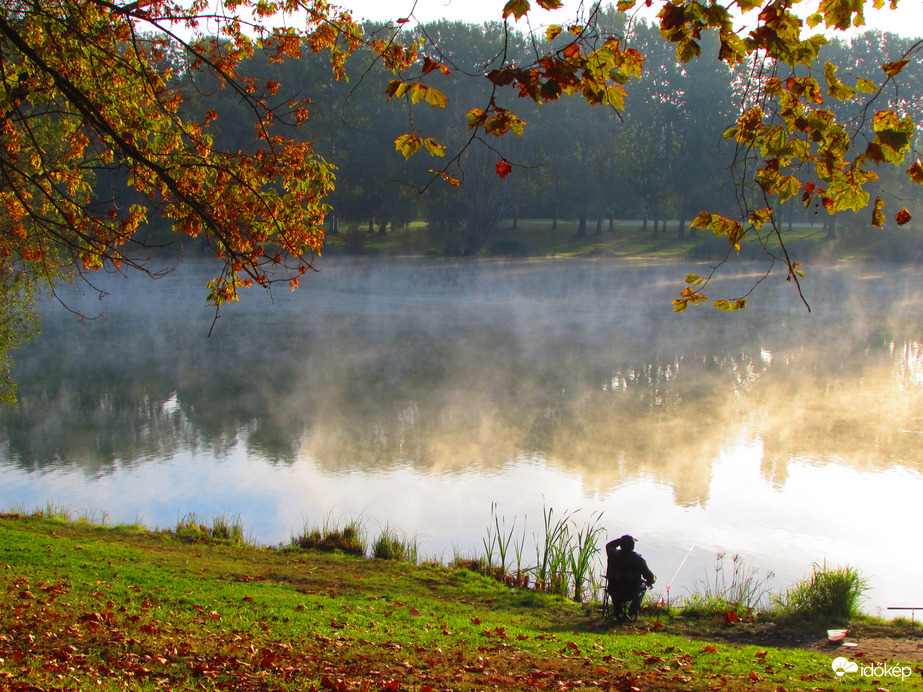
[
  {"x": 738, "y": 304},
  {"x": 418, "y": 92},
  {"x": 476, "y": 118},
  {"x": 865, "y": 86},
  {"x": 517, "y": 8},
  {"x": 436, "y": 98},
  {"x": 615, "y": 97},
  {"x": 408, "y": 144},
  {"x": 878, "y": 214},
  {"x": 433, "y": 147}
]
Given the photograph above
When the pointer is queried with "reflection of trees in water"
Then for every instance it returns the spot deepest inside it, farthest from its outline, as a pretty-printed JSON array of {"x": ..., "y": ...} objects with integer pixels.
[
  {"x": 870, "y": 419},
  {"x": 425, "y": 379}
]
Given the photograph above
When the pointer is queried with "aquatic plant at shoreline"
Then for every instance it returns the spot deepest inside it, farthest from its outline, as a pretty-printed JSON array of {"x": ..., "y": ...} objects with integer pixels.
[
  {"x": 223, "y": 528},
  {"x": 331, "y": 537},
  {"x": 581, "y": 555},
  {"x": 734, "y": 593},
  {"x": 829, "y": 595},
  {"x": 564, "y": 554},
  {"x": 393, "y": 544}
]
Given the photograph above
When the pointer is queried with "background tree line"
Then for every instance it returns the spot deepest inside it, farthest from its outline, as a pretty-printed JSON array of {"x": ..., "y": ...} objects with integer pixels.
[{"x": 660, "y": 161}]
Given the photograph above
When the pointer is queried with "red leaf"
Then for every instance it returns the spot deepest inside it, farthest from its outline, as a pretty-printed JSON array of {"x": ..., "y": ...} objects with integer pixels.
[
  {"x": 503, "y": 168},
  {"x": 902, "y": 217},
  {"x": 334, "y": 684}
]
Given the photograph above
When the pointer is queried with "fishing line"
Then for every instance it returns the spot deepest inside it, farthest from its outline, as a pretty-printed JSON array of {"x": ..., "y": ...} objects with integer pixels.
[{"x": 667, "y": 595}]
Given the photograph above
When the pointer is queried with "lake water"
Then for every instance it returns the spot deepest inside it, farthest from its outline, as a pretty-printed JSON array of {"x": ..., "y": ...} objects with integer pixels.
[{"x": 417, "y": 393}]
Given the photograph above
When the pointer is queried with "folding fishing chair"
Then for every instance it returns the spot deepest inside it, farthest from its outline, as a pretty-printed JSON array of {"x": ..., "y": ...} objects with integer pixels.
[{"x": 624, "y": 600}]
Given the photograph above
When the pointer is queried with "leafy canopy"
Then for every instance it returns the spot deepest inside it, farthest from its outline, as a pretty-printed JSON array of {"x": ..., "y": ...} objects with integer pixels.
[{"x": 790, "y": 131}]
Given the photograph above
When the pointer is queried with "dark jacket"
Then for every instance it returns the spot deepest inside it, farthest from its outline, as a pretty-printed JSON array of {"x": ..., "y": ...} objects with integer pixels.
[{"x": 626, "y": 569}]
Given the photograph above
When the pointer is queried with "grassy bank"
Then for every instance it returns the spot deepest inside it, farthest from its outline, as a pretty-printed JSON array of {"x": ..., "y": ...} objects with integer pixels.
[
  {"x": 854, "y": 240},
  {"x": 112, "y": 608}
]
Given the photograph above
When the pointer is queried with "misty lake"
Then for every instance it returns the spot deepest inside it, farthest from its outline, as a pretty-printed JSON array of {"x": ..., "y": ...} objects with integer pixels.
[{"x": 415, "y": 393}]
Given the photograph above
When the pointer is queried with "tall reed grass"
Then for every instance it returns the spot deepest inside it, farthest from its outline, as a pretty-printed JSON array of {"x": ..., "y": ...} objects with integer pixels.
[
  {"x": 828, "y": 595},
  {"x": 565, "y": 554}
]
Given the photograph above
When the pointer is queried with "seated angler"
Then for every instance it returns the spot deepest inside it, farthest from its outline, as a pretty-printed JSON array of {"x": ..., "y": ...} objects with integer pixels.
[{"x": 628, "y": 577}]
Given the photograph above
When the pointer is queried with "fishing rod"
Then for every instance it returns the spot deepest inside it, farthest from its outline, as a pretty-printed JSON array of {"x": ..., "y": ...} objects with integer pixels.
[{"x": 667, "y": 595}]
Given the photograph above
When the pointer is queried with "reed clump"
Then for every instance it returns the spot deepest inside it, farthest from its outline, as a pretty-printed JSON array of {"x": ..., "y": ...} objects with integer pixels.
[
  {"x": 393, "y": 544},
  {"x": 332, "y": 537},
  {"x": 565, "y": 554},
  {"x": 830, "y": 595},
  {"x": 222, "y": 528}
]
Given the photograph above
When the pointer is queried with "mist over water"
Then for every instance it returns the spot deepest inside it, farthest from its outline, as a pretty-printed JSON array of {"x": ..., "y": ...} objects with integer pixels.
[{"x": 417, "y": 392}]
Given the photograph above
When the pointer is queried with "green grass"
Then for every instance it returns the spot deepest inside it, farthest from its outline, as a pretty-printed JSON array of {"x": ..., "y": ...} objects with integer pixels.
[
  {"x": 90, "y": 607},
  {"x": 536, "y": 238},
  {"x": 735, "y": 589}
]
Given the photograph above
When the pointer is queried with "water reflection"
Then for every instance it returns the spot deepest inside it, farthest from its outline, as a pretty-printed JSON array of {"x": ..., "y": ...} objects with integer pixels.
[{"x": 426, "y": 390}]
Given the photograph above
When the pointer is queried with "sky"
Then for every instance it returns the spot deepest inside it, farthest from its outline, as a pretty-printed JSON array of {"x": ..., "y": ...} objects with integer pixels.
[{"x": 906, "y": 20}]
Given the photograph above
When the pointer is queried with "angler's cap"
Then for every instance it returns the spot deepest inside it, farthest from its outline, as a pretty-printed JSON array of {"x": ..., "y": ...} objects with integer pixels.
[{"x": 627, "y": 542}]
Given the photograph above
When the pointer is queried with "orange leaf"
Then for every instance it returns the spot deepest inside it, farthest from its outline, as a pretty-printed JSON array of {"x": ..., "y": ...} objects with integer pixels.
[
  {"x": 916, "y": 172},
  {"x": 503, "y": 168},
  {"x": 893, "y": 68},
  {"x": 571, "y": 51}
]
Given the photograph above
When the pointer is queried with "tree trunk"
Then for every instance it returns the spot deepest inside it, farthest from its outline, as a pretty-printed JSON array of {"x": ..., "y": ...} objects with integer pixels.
[
  {"x": 611, "y": 223},
  {"x": 581, "y": 227},
  {"x": 371, "y": 223},
  {"x": 830, "y": 225},
  {"x": 599, "y": 225},
  {"x": 681, "y": 231},
  {"x": 383, "y": 227}
]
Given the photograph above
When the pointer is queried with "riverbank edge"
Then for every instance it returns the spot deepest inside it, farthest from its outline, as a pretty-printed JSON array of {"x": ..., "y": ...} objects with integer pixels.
[{"x": 83, "y": 600}]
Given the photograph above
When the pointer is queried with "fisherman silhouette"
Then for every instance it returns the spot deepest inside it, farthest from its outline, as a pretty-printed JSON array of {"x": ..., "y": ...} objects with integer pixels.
[{"x": 627, "y": 577}]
